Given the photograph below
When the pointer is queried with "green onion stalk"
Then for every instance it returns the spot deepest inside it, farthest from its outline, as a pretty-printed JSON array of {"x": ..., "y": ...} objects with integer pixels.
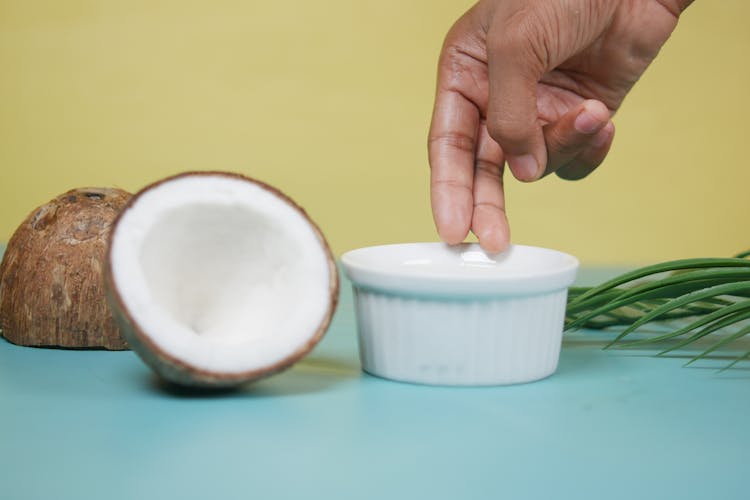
[{"x": 689, "y": 299}]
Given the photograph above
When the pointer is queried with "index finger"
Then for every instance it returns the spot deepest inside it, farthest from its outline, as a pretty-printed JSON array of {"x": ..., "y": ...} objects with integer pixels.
[{"x": 452, "y": 149}]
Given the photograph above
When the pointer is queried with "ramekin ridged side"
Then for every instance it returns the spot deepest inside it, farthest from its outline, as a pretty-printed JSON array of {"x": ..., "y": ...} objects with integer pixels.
[{"x": 472, "y": 341}]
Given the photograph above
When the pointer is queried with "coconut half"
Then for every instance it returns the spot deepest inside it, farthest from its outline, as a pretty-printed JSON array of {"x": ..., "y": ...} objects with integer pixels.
[
  {"x": 216, "y": 279},
  {"x": 51, "y": 288}
]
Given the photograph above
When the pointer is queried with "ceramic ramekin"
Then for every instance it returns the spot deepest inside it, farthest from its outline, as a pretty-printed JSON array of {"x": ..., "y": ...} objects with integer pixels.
[{"x": 452, "y": 315}]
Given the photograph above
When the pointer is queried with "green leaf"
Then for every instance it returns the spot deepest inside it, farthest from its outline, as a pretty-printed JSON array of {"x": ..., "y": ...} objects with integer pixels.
[
  {"x": 692, "y": 280},
  {"x": 662, "y": 268},
  {"x": 702, "y": 321},
  {"x": 718, "y": 325},
  {"x": 676, "y": 303},
  {"x": 715, "y": 292},
  {"x": 697, "y": 294},
  {"x": 727, "y": 340}
]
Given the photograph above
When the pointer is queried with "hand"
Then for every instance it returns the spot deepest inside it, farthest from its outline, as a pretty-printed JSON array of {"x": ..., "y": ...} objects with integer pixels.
[{"x": 533, "y": 83}]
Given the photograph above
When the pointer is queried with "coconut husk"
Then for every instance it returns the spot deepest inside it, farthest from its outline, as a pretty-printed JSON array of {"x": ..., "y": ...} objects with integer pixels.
[{"x": 51, "y": 287}]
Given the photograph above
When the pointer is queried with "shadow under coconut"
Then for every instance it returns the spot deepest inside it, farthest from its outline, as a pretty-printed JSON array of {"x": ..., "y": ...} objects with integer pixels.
[{"x": 314, "y": 374}]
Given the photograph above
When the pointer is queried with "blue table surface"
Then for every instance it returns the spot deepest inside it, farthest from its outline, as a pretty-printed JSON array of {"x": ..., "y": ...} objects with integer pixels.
[{"x": 609, "y": 424}]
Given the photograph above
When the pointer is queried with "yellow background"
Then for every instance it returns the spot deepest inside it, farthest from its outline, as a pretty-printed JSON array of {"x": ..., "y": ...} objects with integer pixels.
[{"x": 330, "y": 101}]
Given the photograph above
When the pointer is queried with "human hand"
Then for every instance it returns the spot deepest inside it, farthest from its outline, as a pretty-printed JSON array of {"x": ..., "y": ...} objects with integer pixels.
[{"x": 533, "y": 83}]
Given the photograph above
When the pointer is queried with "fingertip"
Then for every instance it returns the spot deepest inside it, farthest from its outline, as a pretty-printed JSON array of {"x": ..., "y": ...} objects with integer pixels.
[
  {"x": 591, "y": 157},
  {"x": 580, "y": 130},
  {"x": 452, "y": 235},
  {"x": 490, "y": 226},
  {"x": 494, "y": 242},
  {"x": 604, "y": 136},
  {"x": 524, "y": 167},
  {"x": 452, "y": 225},
  {"x": 591, "y": 118}
]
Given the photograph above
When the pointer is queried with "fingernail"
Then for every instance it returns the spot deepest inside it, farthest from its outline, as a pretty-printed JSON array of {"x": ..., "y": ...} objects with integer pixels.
[
  {"x": 586, "y": 122},
  {"x": 524, "y": 167}
]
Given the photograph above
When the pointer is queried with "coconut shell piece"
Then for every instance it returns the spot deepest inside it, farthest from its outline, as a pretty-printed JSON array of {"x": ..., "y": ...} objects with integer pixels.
[{"x": 51, "y": 286}]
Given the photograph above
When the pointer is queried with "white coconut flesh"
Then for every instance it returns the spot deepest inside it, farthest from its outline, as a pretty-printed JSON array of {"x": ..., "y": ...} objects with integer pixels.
[{"x": 220, "y": 273}]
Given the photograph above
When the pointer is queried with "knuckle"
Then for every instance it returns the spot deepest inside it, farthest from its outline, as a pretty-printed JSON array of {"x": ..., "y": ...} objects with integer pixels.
[
  {"x": 490, "y": 206},
  {"x": 462, "y": 68},
  {"x": 488, "y": 170},
  {"x": 508, "y": 131},
  {"x": 521, "y": 35},
  {"x": 450, "y": 184},
  {"x": 453, "y": 140}
]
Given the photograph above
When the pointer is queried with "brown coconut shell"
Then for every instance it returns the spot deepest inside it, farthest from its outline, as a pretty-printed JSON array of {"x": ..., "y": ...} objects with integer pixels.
[
  {"x": 51, "y": 286},
  {"x": 176, "y": 371}
]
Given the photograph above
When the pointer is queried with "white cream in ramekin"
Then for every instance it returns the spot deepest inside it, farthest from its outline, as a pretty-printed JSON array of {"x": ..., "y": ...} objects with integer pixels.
[{"x": 453, "y": 315}]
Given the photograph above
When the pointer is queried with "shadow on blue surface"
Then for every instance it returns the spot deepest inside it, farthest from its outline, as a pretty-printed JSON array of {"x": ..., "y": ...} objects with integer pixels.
[
  {"x": 717, "y": 361},
  {"x": 308, "y": 376}
]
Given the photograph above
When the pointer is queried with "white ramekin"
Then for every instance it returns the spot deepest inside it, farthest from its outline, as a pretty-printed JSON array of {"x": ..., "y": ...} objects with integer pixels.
[{"x": 452, "y": 315}]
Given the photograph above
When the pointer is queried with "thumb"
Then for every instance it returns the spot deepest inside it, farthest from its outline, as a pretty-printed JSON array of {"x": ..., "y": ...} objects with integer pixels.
[{"x": 515, "y": 67}]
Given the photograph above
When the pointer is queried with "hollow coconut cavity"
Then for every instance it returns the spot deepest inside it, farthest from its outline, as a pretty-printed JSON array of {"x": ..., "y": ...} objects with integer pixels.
[{"x": 217, "y": 279}]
